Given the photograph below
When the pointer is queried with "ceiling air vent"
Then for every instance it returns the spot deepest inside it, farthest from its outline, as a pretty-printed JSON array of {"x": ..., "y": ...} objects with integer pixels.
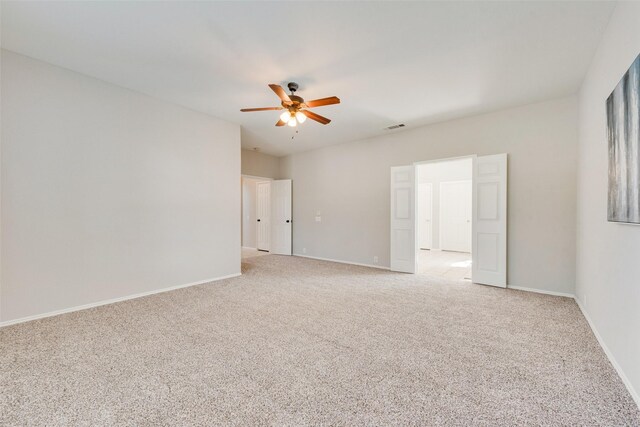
[{"x": 398, "y": 126}]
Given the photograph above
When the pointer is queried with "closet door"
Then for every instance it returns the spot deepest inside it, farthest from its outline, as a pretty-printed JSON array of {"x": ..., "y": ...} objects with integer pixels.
[
  {"x": 263, "y": 215},
  {"x": 455, "y": 216},
  {"x": 425, "y": 215},
  {"x": 281, "y": 217}
]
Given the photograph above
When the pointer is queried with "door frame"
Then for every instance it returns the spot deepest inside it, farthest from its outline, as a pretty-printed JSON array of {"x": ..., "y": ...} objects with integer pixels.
[{"x": 255, "y": 225}]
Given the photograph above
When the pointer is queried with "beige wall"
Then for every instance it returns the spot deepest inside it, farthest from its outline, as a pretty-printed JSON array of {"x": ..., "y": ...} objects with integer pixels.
[
  {"x": 259, "y": 164},
  {"x": 108, "y": 193},
  {"x": 349, "y": 185},
  {"x": 608, "y": 267}
]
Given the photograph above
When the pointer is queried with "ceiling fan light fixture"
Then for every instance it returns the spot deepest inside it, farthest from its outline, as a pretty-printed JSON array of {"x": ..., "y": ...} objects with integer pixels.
[
  {"x": 285, "y": 116},
  {"x": 297, "y": 110}
]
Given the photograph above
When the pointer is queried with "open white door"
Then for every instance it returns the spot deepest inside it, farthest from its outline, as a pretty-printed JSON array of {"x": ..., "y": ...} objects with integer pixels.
[
  {"x": 403, "y": 211},
  {"x": 263, "y": 215},
  {"x": 489, "y": 252},
  {"x": 281, "y": 217}
]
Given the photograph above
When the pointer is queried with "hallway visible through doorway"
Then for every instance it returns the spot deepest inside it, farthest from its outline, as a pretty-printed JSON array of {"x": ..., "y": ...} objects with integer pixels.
[
  {"x": 444, "y": 214},
  {"x": 452, "y": 265}
]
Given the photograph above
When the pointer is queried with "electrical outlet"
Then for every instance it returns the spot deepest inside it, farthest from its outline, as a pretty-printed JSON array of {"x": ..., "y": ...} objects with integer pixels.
[
  {"x": 375, "y": 259},
  {"x": 304, "y": 250}
]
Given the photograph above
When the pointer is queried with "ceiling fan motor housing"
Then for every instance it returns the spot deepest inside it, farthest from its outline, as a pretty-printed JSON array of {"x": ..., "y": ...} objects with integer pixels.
[
  {"x": 296, "y": 99},
  {"x": 293, "y": 86}
]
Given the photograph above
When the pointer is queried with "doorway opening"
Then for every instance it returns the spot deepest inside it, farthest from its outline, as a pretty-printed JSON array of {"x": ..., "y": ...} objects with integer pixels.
[
  {"x": 488, "y": 218},
  {"x": 444, "y": 202},
  {"x": 266, "y": 216}
]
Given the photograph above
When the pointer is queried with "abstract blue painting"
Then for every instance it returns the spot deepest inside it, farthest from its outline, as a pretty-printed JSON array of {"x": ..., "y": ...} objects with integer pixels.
[{"x": 623, "y": 130}]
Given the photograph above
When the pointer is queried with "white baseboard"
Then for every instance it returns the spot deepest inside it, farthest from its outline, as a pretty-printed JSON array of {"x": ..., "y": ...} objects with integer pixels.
[
  {"x": 541, "y": 291},
  {"x": 634, "y": 394},
  {"x": 342, "y": 262},
  {"x": 111, "y": 301},
  {"x": 249, "y": 247}
]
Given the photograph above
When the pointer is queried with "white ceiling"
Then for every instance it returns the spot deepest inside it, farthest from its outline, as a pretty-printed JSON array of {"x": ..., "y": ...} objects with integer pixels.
[{"x": 389, "y": 62}]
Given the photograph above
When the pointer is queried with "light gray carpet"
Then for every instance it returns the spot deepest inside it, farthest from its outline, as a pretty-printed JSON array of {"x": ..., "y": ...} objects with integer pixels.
[{"x": 302, "y": 342}]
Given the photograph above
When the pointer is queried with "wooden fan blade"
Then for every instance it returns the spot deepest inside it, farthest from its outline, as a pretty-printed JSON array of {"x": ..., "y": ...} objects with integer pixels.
[
  {"x": 317, "y": 117},
  {"x": 280, "y": 92},
  {"x": 324, "y": 101},
  {"x": 246, "y": 110},
  {"x": 280, "y": 123}
]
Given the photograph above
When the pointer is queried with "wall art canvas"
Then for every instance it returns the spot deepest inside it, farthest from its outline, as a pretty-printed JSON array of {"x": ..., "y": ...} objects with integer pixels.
[{"x": 623, "y": 130}]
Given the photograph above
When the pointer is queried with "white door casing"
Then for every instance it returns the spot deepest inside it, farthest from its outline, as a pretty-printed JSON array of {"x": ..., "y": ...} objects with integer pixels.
[
  {"x": 263, "y": 215},
  {"x": 281, "y": 217},
  {"x": 489, "y": 224},
  {"x": 425, "y": 215},
  {"x": 455, "y": 215},
  {"x": 403, "y": 219}
]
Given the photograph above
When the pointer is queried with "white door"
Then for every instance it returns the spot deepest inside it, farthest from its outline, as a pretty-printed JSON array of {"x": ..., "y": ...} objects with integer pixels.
[
  {"x": 489, "y": 252},
  {"x": 425, "y": 215},
  {"x": 455, "y": 216},
  {"x": 403, "y": 246},
  {"x": 281, "y": 217},
  {"x": 263, "y": 215}
]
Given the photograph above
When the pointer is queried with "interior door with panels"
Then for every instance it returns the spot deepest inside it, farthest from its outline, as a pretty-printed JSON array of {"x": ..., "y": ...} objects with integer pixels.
[
  {"x": 263, "y": 215},
  {"x": 281, "y": 221},
  {"x": 403, "y": 219},
  {"x": 489, "y": 225}
]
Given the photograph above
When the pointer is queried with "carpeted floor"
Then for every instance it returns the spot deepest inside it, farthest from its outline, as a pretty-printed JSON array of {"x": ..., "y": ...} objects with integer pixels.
[{"x": 302, "y": 342}]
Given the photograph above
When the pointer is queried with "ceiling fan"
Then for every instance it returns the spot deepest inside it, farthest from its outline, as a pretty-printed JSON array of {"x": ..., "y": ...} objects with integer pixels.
[{"x": 297, "y": 109}]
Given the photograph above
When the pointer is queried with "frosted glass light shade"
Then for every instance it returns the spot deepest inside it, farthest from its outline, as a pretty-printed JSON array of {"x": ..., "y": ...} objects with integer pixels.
[{"x": 285, "y": 116}]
